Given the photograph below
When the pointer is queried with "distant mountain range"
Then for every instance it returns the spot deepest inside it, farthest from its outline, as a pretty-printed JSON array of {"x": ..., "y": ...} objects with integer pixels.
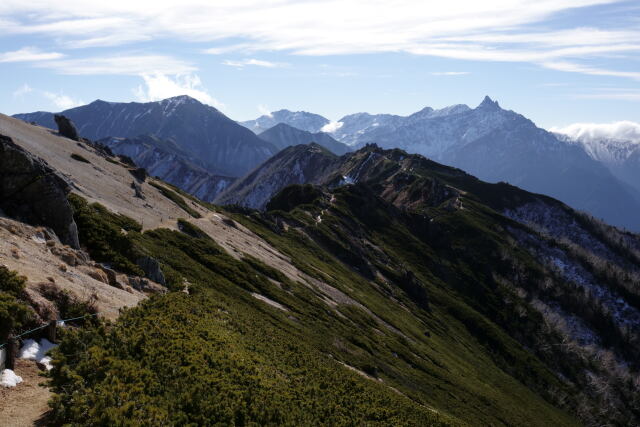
[
  {"x": 620, "y": 156},
  {"x": 488, "y": 141},
  {"x": 500, "y": 145},
  {"x": 184, "y": 142}
]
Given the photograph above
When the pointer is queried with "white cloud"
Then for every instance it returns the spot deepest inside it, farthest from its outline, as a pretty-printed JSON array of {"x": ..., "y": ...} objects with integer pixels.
[
  {"x": 62, "y": 101},
  {"x": 129, "y": 64},
  {"x": 450, "y": 73},
  {"x": 22, "y": 90},
  {"x": 59, "y": 100},
  {"x": 630, "y": 95},
  {"x": 28, "y": 54},
  {"x": 592, "y": 132},
  {"x": 159, "y": 86},
  {"x": 578, "y": 68},
  {"x": 264, "y": 110},
  {"x": 219, "y": 50},
  {"x": 331, "y": 127},
  {"x": 490, "y": 30},
  {"x": 256, "y": 62}
]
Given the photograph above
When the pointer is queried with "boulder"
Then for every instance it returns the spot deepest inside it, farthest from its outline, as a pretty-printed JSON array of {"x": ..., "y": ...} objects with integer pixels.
[
  {"x": 144, "y": 285},
  {"x": 95, "y": 273},
  {"x": 33, "y": 192},
  {"x": 66, "y": 127},
  {"x": 151, "y": 268},
  {"x": 112, "y": 276},
  {"x": 139, "y": 173},
  {"x": 71, "y": 257},
  {"x": 137, "y": 190}
]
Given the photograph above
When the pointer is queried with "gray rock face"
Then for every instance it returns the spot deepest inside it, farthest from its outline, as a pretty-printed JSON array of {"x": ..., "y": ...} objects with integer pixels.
[
  {"x": 66, "y": 127},
  {"x": 171, "y": 164},
  {"x": 151, "y": 269},
  {"x": 32, "y": 191},
  {"x": 300, "y": 164}
]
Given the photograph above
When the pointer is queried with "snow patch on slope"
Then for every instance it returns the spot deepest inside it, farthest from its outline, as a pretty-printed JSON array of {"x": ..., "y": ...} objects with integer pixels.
[
  {"x": 9, "y": 379},
  {"x": 32, "y": 350}
]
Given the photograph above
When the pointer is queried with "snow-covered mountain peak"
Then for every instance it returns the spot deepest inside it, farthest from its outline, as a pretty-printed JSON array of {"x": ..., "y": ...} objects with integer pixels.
[
  {"x": 450, "y": 110},
  {"x": 299, "y": 119},
  {"x": 611, "y": 143},
  {"x": 425, "y": 112},
  {"x": 170, "y": 104}
]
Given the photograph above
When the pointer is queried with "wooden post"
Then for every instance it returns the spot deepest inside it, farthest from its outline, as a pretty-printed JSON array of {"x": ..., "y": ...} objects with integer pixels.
[
  {"x": 12, "y": 353},
  {"x": 51, "y": 331}
]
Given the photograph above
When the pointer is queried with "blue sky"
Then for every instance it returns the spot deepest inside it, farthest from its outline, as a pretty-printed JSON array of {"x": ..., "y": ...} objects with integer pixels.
[{"x": 557, "y": 62}]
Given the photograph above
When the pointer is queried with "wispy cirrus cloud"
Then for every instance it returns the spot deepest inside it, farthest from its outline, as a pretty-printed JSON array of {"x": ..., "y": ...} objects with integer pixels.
[
  {"x": 620, "y": 94},
  {"x": 29, "y": 54},
  {"x": 59, "y": 100},
  {"x": 462, "y": 29},
  {"x": 583, "y": 69},
  {"x": 22, "y": 90},
  {"x": 253, "y": 62},
  {"x": 125, "y": 64}
]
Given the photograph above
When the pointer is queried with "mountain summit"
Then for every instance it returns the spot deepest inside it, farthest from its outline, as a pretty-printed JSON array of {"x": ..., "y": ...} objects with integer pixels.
[
  {"x": 488, "y": 103},
  {"x": 212, "y": 139},
  {"x": 298, "y": 119}
]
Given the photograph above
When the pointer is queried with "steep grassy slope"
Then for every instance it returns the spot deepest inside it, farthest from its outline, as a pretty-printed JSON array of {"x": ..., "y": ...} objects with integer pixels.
[
  {"x": 435, "y": 350},
  {"x": 398, "y": 292}
]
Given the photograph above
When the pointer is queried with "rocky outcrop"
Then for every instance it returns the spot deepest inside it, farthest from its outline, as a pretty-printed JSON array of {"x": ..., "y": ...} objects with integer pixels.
[
  {"x": 300, "y": 164},
  {"x": 164, "y": 159},
  {"x": 66, "y": 127},
  {"x": 137, "y": 190},
  {"x": 33, "y": 192},
  {"x": 151, "y": 269},
  {"x": 139, "y": 173},
  {"x": 144, "y": 285}
]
